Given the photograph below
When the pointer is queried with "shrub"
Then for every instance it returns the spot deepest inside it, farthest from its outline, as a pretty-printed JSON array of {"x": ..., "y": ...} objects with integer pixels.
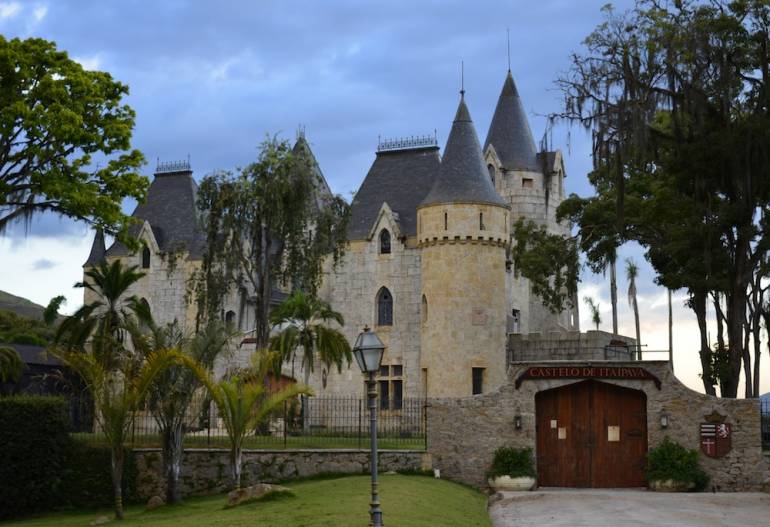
[
  {"x": 670, "y": 460},
  {"x": 87, "y": 481},
  {"x": 34, "y": 434},
  {"x": 513, "y": 462}
]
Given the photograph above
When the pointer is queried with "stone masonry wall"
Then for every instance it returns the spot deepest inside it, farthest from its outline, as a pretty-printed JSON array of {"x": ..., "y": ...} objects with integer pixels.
[
  {"x": 208, "y": 471},
  {"x": 463, "y": 433}
]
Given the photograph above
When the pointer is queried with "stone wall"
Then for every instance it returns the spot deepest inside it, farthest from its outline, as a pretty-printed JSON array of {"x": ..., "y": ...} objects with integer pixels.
[
  {"x": 208, "y": 471},
  {"x": 464, "y": 433}
]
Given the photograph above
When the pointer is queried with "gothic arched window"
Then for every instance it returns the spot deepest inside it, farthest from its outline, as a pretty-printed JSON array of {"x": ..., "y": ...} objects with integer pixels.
[
  {"x": 491, "y": 169},
  {"x": 384, "y": 242},
  {"x": 230, "y": 318},
  {"x": 424, "y": 309},
  {"x": 384, "y": 307},
  {"x": 146, "y": 257}
]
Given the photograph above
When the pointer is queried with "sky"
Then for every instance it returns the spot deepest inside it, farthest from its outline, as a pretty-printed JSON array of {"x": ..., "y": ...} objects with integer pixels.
[{"x": 212, "y": 80}]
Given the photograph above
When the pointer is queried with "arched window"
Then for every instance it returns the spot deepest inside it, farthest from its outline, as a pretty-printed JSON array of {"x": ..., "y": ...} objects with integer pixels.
[
  {"x": 424, "y": 309},
  {"x": 491, "y": 169},
  {"x": 384, "y": 307},
  {"x": 481, "y": 221},
  {"x": 384, "y": 242},
  {"x": 230, "y": 318},
  {"x": 145, "y": 317},
  {"x": 446, "y": 221},
  {"x": 146, "y": 257}
]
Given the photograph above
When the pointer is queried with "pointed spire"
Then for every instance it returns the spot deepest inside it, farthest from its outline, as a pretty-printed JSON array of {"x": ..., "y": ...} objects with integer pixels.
[
  {"x": 509, "y": 132},
  {"x": 463, "y": 177},
  {"x": 96, "y": 255}
]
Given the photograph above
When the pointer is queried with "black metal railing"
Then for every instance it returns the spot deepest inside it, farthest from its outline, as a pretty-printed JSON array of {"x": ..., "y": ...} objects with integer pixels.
[
  {"x": 303, "y": 423},
  {"x": 764, "y": 406}
]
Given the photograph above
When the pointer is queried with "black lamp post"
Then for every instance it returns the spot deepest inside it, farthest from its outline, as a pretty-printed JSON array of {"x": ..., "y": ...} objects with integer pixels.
[{"x": 368, "y": 351}]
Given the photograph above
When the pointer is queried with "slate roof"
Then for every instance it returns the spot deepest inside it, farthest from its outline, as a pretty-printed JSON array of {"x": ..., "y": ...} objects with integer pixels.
[
  {"x": 170, "y": 211},
  {"x": 509, "y": 131},
  {"x": 323, "y": 192},
  {"x": 463, "y": 176},
  {"x": 97, "y": 250},
  {"x": 402, "y": 178}
]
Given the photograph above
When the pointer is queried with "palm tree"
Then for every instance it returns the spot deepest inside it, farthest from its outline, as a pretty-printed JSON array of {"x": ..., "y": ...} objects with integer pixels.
[
  {"x": 117, "y": 394},
  {"x": 632, "y": 271},
  {"x": 11, "y": 365},
  {"x": 594, "y": 307},
  {"x": 243, "y": 402},
  {"x": 173, "y": 392},
  {"x": 101, "y": 322},
  {"x": 303, "y": 321}
]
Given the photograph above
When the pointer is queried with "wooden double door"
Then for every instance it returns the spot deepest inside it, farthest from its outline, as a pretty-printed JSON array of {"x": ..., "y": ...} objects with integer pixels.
[{"x": 591, "y": 434}]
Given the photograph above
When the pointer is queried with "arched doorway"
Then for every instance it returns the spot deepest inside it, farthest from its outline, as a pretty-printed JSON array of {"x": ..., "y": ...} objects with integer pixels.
[{"x": 591, "y": 434}]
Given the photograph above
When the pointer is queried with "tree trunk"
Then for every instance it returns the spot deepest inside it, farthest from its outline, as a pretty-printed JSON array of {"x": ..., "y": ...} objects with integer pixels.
[
  {"x": 172, "y": 460},
  {"x": 747, "y": 392},
  {"x": 670, "y": 331},
  {"x": 236, "y": 460},
  {"x": 117, "y": 480},
  {"x": 736, "y": 311},
  {"x": 262, "y": 307},
  {"x": 614, "y": 296},
  {"x": 638, "y": 331},
  {"x": 698, "y": 305}
]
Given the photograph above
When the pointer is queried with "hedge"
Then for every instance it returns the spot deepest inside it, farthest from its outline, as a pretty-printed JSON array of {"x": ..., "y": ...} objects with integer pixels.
[{"x": 43, "y": 469}]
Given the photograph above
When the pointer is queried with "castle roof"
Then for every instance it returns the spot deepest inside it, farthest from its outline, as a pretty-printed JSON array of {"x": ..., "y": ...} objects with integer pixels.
[
  {"x": 401, "y": 178},
  {"x": 96, "y": 255},
  {"x": 463, "y": 176},
  {"x": 323, "y": 192},
  {"x": 509, "y": 132},
  {"x": 170, "y": 211}
]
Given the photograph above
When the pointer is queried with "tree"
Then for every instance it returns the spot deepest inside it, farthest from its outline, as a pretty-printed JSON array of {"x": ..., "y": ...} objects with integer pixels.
[
  {"x": 243, "y": 402},
  {"x": 174, "y": 391},
  {"x": 676, "y": 97},
  {"x": 632, "y": 271},
  {"x": 118, "y": 393},
  {"x": 270, "y": 224},
  {"x": 302, "y": 323},
  {"x": 596, "y": 317},
  {"x": 11, "y": 365},
  {"x": 55, "y": 118}
]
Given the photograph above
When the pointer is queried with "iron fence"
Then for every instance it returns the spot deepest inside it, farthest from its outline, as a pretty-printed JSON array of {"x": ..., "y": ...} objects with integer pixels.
[
  {"x": 306, "y": 422},
  {"x": 765, "y": 422}
]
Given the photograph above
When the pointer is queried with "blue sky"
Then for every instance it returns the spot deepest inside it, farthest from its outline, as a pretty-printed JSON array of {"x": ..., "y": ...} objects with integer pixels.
[{"x": 212, "y": 79}]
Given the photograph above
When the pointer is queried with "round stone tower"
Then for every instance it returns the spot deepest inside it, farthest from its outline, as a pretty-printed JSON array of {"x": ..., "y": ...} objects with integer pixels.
[{"x": 463, "y": 231}]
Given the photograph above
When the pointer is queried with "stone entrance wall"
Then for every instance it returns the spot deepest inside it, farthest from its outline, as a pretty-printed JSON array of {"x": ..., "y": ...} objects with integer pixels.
[
  {"x": 207, "y": 471},
  {"x": 463, "y": 433}
]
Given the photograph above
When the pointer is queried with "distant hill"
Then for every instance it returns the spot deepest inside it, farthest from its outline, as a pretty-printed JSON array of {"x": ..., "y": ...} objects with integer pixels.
[{"x": 20, "y": 306}]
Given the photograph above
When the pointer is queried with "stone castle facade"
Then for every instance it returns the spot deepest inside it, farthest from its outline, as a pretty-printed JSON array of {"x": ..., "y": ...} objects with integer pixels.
[{"x": 427, "y": 265}]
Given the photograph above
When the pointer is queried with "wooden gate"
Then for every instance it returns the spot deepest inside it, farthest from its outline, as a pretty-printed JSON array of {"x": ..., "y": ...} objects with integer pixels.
[{"x": 591, "y": 434}]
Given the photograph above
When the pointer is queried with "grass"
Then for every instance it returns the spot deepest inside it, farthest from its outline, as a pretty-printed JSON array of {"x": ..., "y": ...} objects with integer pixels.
[
  {"x": 268, "y": 442},
  {"x": 407, "y": 501}
]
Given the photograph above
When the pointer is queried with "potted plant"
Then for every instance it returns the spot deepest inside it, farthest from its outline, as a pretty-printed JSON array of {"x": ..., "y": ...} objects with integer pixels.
[
  {"x": 673, "y": 468},
  {"x": 512, "y": 469}
]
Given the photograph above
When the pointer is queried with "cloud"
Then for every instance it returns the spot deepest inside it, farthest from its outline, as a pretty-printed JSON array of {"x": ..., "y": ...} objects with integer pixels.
[
  {"x": 43, "y": 264},
  {"x": 38, "y": 14},
  {"x": 9, "y": 10},
  {"x": 91, "y": 63}
]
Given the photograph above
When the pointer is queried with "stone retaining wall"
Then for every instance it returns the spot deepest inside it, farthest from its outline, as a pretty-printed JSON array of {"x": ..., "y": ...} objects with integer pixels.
[
  {"x": 207, "y": 471},
  {"x": 464, "y": 433}
]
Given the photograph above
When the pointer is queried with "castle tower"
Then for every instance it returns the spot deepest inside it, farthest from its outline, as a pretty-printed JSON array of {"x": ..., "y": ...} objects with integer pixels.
[{"x": 462, "y": 231}]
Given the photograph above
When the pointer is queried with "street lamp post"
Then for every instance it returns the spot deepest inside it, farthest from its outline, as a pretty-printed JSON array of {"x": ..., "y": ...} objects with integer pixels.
[{"x": 368, "y": 351}]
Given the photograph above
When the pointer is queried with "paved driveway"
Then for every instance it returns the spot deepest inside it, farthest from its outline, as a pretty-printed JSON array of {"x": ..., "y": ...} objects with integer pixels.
[{"x": 629, "y": 508}]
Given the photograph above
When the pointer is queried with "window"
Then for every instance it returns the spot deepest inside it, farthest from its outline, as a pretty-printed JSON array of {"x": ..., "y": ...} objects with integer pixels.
[
  {"x": 478, "y": 380},
  {"x": 230, "y": 318},
  {"x": 391, "y": 387},
  {"x": 491, "y": 173},
  {"x": 424, "y": 309},
  {"x": 384, "y": 308},
  {"x": 481, "y": 221},
  {"x": 146, "y": 315},
  {"x": 516, "y": 320},
  {"x": 446, "y": 221},
  {"x": 146, "y": 257},
  {"x": 527, "y": 182},
  {"x": 384, "y": 242}
]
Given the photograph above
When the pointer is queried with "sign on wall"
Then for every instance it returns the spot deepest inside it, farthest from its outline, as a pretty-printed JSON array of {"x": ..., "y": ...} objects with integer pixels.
[
  {"x": 715, "y": 436},
  {"x": 628, "y": 373}
]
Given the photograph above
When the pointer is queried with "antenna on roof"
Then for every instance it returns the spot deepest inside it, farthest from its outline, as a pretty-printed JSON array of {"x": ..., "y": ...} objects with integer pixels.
[
  {"x": 462, "y": 78},
  {"x": 508, "y": 30}
]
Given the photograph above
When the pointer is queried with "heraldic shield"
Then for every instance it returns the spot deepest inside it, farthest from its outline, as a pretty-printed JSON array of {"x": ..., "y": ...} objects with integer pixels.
[{"x": 715, "y": 439}]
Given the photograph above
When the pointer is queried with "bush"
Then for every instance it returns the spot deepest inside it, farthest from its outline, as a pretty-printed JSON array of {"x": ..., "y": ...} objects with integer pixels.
[
  {"x": 670, "y": 460},
  {"x": 43, "y": 469},
  {"x": 34, "y": 434},
  {"x": 513, "y": 462}
]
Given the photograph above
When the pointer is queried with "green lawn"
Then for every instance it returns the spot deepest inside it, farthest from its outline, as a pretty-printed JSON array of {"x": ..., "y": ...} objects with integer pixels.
[{"x": 407, "y": 501}]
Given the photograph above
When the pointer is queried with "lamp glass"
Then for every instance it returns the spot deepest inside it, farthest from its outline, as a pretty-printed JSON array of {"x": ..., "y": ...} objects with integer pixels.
[{"x": 368, "y": 350}]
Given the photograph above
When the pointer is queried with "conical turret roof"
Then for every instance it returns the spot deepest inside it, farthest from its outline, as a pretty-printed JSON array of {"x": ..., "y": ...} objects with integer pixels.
[
  {"x": 96, "y": 255},
  {"x": 509, "y": 132},
  {"x": 462, "y": 176}
]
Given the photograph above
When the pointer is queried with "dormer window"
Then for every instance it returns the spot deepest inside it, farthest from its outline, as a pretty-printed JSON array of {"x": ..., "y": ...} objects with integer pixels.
[
  {"x": 384, "y": 242},
  {"x": 491, "y": 170},
  {"x": 146, "y": 257}
]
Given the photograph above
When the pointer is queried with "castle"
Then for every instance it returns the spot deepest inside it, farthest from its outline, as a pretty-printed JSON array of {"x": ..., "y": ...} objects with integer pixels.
[{"x": 428, "y": 263}]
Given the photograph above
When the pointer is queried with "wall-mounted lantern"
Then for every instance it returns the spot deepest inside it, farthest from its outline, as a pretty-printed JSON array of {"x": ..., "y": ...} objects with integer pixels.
[
  {"x": 517, "y": 421},
  {"x": 663, "y": 420}
]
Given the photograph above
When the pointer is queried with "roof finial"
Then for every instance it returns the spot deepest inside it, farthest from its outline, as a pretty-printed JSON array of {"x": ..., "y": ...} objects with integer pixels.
[
  {"x": 462, "y": 78},
  {"x": 508, "y": 30}
]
